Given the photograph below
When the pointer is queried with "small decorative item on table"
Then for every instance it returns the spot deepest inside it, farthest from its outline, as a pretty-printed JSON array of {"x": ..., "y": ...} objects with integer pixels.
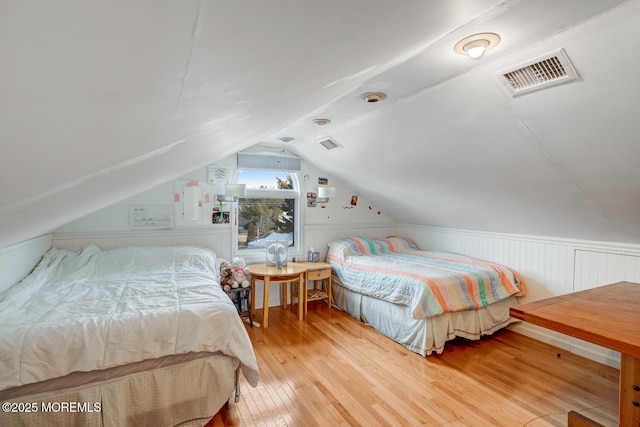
[{"x": 312, "y": 255}]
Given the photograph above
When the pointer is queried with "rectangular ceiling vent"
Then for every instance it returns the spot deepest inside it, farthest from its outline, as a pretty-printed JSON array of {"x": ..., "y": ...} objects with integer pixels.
[
  {"x": 548, "y": 70},
  {"x": 329, "y": 143}
]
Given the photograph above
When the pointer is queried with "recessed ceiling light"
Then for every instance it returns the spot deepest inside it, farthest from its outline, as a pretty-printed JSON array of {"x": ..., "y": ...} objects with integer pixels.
[
  {"x": 476, "y": 45},
  {"x": 374, "y": 96},
  {"x": 321, "y": 122}
]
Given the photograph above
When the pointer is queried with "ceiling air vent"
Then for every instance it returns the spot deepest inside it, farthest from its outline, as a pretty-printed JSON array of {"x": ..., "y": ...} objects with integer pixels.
[
  {"x": 548, "y": 70},
  {"x": 329, "y": 143}
]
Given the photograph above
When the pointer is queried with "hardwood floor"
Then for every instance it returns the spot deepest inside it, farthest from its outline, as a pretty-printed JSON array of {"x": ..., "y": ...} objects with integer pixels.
[{"x": 331, "y": 370}]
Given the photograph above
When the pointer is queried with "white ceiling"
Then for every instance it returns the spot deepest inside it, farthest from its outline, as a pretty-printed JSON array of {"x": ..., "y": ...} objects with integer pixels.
[{"x": 100, "y": 100}]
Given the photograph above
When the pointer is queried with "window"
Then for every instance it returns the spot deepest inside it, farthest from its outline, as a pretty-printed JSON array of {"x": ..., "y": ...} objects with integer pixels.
[{"x": 271, "y": 210}]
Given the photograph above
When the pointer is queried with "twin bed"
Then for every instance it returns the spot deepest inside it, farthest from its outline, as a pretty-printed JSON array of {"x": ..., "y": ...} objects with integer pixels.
[
  {"x": 421, "y": 299},
  {"x": 131, "y": 336}
]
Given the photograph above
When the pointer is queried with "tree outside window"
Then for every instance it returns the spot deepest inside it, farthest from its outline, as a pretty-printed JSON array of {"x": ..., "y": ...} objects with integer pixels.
[{"x": 261, "y": 219}]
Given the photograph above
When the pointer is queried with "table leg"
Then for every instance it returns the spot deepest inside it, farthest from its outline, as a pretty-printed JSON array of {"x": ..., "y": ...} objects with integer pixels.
[
  {"x": 629, "y": 390},
  {"x": 301, "y": 296},
  {"x": 576, "y": 419},
  {"x": 253, "y": 295},
  {"x": 265, "y": 306},
  {"x": 313, "y": 286},
  {"x": 285, "y": 285},
  {"x": 629, "y": 409}
]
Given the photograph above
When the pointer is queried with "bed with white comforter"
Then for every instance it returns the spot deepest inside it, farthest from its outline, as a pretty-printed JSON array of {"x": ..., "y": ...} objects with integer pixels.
[{"x": 95, "y": 310}]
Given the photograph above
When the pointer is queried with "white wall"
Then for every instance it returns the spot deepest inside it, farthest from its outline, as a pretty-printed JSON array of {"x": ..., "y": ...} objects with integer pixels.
[
  {"x": 337, "y": 211},
  {"x": 109, "y": 227},
  {"x": 549, "y": 267},
  {"x": 16, "y": 261},
  {"x": 116, "y": 216}
]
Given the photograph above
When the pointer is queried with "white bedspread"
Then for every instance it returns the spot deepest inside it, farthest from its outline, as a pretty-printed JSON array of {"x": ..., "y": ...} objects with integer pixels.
[{"x": 94, "y": 309}]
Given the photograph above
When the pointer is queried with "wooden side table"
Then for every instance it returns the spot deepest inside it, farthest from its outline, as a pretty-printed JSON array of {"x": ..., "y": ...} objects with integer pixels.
[
  {"x": 271, "y": 274},
  {"x": 317, "y": 272}
]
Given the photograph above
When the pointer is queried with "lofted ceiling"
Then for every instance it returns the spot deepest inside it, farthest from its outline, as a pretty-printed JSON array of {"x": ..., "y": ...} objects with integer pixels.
[{"x": 100, "y": 100}]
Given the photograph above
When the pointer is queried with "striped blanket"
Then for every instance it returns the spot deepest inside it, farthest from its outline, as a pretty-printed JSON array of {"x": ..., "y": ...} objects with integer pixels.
[{"x": 430, "y": 283}]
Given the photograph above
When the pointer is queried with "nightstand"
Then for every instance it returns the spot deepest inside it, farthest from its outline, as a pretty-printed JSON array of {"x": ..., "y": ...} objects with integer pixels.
[
  {"x": 242, "y": 300},
  {"x": 320, "y": 274}
]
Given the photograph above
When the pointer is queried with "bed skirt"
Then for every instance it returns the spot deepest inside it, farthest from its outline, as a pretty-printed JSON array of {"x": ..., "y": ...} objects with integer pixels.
[
  {"x": 422, "y": 336},
  {"x": 183, "y": 394}
]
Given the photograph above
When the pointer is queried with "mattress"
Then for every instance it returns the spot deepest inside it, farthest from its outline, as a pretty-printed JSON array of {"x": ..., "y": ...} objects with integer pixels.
[
  {"x": 421, "y": 299},
  {"x": 430, "y": 283},
  {"x": 93, "y": 310}
]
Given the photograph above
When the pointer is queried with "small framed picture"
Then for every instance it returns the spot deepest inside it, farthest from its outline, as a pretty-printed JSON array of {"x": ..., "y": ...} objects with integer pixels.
[
  {"x": 218, "y": 217},
  {"x": 323, "y": 181}
]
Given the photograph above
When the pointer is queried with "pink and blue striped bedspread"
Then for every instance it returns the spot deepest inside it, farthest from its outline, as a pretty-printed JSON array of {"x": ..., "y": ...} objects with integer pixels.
[{"x": 430, "y": 283}]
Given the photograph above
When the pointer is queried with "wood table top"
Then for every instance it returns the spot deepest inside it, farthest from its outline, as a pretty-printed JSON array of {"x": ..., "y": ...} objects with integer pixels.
[
  {"x": 607, "y": 315},
  {"x": 262, "y": 269},
  {"x": 318, "y": 265}
]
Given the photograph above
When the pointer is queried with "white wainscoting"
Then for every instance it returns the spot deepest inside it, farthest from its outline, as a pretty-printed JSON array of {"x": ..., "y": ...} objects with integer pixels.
[
  {"x": 595, "y": 268},
  {"x": 217, "y": 238},
  {"x": 16, "y": 261},
  {"x": 549, "y": 267}
]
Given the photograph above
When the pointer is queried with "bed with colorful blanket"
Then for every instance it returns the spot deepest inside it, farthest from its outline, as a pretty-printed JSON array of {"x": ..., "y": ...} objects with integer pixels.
[{"x": 421, "y": 299}]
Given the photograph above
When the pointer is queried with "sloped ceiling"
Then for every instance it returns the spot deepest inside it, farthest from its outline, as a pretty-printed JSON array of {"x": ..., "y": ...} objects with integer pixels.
[{"x": 100, "y": 100}]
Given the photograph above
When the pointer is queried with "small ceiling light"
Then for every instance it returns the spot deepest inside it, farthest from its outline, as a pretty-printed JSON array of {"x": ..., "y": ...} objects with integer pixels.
[
  {"x": 286, "y": 139},
  {"x": 321, "y": 122},
  {"x": 374, "y": 96},
  {"x": 476, "y": 45}
]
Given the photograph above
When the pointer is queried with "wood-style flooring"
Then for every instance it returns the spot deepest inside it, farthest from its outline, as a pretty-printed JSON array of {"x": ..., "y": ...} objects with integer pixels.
[{"x": 332, "y": 370}]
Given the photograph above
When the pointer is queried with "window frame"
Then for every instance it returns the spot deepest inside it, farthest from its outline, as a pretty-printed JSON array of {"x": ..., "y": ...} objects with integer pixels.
[{"x": 257, "y": 255}]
